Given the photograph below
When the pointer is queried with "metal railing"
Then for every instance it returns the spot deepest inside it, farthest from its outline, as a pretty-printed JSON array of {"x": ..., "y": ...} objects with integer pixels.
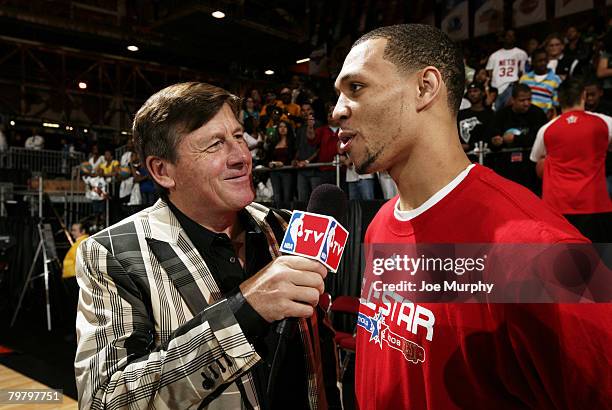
[
  {"x": 336, "y": 163},
  {"x": 482, "y": 150},
  {"x": 48, "y": 161}
]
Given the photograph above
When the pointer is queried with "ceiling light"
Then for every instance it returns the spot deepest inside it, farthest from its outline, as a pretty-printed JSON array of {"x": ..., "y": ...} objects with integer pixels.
[
  {"x": 50, "y": 125},
  {"x": 303, "y": 60},
  {"x": 218, "y": 14},
  {"x": 82, "y": 85},
  {"x": 12, "y": 123},
  {"x": 268, "y": 72},
  {"x": 85, "y": 131},
  {"x": 132, "y": 48},
  {"x": 125, "y": 133}
]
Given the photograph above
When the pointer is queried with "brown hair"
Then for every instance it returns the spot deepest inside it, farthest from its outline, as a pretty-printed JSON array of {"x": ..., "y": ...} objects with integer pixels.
[{"x": 168, "y": 115}]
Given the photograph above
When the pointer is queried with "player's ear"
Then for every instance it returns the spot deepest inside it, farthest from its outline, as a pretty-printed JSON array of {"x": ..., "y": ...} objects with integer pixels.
[{"x": 429, "y": 87}]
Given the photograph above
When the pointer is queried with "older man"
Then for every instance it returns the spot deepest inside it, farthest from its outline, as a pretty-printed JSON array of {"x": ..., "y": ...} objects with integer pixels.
[
  {"x": 399, "y": 92},
  {"x": 177, "y": 301}
]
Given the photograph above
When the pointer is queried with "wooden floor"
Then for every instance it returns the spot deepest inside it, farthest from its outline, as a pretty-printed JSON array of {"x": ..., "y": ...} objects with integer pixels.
[{"x": 10, "y": 379}]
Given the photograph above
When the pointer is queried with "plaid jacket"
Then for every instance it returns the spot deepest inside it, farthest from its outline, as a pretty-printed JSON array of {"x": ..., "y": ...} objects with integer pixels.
[{"x": 153, "y": 328}]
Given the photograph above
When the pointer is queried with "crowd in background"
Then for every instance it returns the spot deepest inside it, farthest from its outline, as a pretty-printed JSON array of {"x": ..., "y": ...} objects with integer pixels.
[{"x": 510, "y": 95}]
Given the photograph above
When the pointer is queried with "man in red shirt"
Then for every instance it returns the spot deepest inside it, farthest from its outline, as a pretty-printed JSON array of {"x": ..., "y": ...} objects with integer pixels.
[
  {"x": 326, "y": 138},
  {"x": 571, "y": 150},
  {"x": 399, "y": 92}
]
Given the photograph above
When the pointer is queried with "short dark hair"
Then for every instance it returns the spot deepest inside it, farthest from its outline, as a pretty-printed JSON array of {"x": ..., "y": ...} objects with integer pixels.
[
  {"x": 520, "y": 88},
  {"x": 569, "y": 92},
  {"x": 85, "y": 225},
  {"x": 415, "y": 46},
  {"x": 537, "y": 51},
  {"x": 592, "y": 80},
  {"x": 168, "y": 115}
]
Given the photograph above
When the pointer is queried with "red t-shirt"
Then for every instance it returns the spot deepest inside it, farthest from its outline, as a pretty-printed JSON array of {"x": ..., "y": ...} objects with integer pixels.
[
  {"x": 327, "y": 141},
  {"x": 483, "y": 356},
  {"x": 575, "y": 145}
]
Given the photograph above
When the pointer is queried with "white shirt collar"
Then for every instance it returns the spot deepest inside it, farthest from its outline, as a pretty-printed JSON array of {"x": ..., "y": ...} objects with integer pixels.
[{"x": 404, "y": 216}]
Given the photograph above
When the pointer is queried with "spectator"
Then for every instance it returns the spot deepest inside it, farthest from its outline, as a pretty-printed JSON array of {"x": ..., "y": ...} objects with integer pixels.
[
  {"x": 594, "y": 97},
  {"x": 291, "y": 111},
  {"x": 326, "y": 139},
  {"x": 576, "y": 49},
  {"x": 604, "y": 69},
  {"x": 360, "y": 186},
  {"x": 79, "y": 232},
  {"x": 253, "y": 138},
  {"x": 109, "y": 167},
  {"x": 387, "y": 185},
  {"x": 135, "y": 199},
  {"x": 305, "y": 153},
  {"x": 95, "y": 159},
  {"x": 571, "y": 151},
  {"x": 530, "y": 47},
  {"x": 273, "y": 117},
  {"x": 248, "y": 110},
  {"x": 280, "y": 150},
  {"x": 475, "y": 122},
  {"x": 145, "y": 184},
  {"x": 505, "y": 67},
  {"x": 596, "y": 103},
  {"x": 127, "y": 180},
  {"x": 515, "y": 127},
  {"x": 97, "y": 193},
  {"x": 297, "y": 88},
  {"x": 562, "y": 65},
  {"x": 543, "y": 83},
  {"x": 269, "y": 101},
  {"x": 35, "y": 141},
  {"x": 256, "y": 97},
  {"x": 67, "y": 152},
  {"x": 482, "y": 77}
]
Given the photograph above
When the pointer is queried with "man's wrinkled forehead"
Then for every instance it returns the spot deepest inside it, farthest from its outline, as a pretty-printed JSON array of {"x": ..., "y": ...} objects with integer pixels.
[{"x": 363, "y": 59}]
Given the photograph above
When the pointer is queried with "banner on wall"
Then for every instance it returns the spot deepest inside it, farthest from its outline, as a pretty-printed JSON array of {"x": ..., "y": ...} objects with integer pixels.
[
  {"x": 489, "y": 16},
  {"x": 525, "y": 12},
  {"x": 567, "y": 7},
  {"x": 455, "y": 19}
]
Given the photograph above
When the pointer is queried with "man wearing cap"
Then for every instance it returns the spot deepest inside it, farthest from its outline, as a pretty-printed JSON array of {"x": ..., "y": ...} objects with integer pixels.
[{"x": 475, "y": 123}]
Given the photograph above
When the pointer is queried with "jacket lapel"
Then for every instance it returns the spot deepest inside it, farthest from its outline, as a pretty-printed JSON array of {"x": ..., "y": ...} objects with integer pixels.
[
  {"x": 181, "y": 277},
  {"x": 180, "y": 260}
]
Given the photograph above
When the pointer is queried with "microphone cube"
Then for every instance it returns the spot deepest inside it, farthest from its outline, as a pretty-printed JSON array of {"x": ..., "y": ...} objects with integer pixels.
[{"x": 314, "y": 236}]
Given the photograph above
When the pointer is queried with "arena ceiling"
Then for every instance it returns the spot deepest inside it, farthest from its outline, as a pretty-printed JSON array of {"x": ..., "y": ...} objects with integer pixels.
[{"x": 254, "y": 35}]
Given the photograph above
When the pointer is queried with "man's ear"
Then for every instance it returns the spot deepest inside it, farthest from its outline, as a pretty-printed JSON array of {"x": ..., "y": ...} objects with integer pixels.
[
  {"x": 162, "y": 171},
  {"x": 430, "y": 84}
]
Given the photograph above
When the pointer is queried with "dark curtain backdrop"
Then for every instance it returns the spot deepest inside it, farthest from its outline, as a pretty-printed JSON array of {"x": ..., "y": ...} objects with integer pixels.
[{"x": 347, "y": 281}]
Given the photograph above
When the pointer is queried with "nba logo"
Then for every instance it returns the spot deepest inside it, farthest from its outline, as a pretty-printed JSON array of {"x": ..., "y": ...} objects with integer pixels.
[
  {"x": 305, "y": 234},
  {"x": 294, "y": 231},
  {"x": 315, "y": 236},
  {"x": 332, "y": 250}
]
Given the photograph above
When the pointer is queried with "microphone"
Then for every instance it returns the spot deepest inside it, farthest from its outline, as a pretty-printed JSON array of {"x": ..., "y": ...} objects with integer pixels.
[
  {"x": 316, "y": 234},
  {"x": 328, "y": 199}
]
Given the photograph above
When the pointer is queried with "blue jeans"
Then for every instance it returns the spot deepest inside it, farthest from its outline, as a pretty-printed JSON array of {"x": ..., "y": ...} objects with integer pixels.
[
  {"x": 282, "y": 184},
  {"x": 306, "y": 180},
  {"x": 503, "y": 98},
  {"x": 361, "y": 190}
]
